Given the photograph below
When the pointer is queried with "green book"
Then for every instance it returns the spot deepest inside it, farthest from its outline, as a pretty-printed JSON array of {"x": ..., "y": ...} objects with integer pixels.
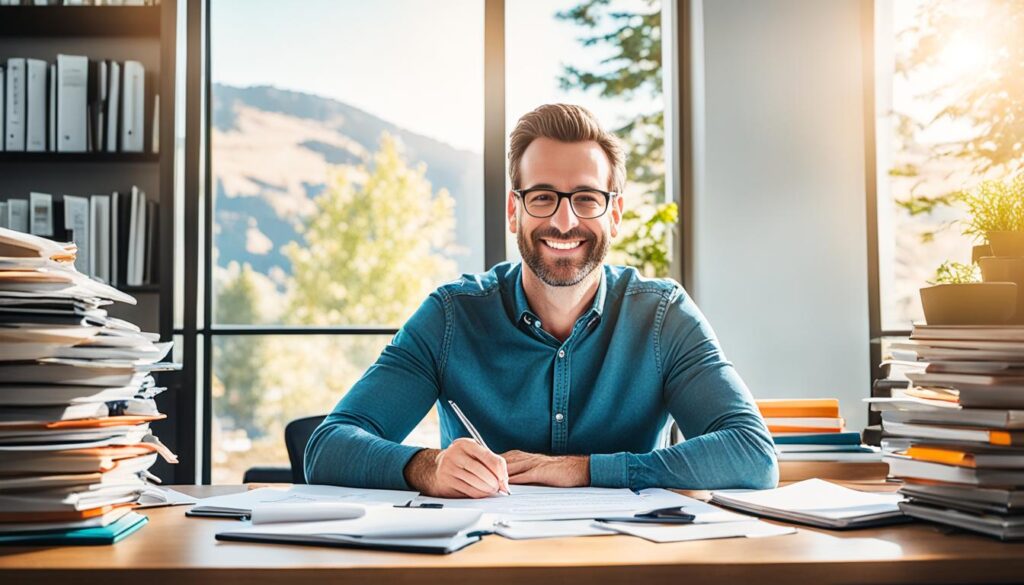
[{"x": 109, "y": 534}]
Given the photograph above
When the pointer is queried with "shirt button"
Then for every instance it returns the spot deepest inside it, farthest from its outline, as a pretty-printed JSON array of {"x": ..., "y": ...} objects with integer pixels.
[
  {"x": 536, "y": 324},
  {"x": 561, "y": 353},
  {"x": 559, "y": 417}
]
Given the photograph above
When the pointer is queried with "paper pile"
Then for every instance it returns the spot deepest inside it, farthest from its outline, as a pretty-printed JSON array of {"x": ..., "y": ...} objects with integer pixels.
[{"x": 76, "y": 400}]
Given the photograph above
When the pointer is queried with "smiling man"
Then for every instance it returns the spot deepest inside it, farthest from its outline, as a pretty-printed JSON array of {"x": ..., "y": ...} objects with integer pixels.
[{"x": 568, "y": 368}]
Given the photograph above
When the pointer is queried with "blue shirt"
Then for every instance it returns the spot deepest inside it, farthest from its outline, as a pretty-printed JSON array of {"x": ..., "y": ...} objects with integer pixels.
[{"x": 642, "y": 353}]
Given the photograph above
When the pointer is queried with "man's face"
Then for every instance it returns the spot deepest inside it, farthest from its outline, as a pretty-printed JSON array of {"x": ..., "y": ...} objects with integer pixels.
[{"x": 563, "y": 249}]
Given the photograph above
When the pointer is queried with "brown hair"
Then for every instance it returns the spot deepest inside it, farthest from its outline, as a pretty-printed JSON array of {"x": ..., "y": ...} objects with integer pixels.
[{"x": 565, "y": 123}]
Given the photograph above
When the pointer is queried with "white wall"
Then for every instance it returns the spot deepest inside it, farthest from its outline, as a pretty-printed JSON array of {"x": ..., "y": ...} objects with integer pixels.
[{"x": 780, "y": 248}]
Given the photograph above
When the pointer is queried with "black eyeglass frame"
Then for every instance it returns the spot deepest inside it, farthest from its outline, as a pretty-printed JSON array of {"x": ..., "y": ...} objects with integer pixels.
[{"x": 522, "y": 193}]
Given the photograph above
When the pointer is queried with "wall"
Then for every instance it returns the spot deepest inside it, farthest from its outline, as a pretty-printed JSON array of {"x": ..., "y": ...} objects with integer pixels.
[{"x": 779, "y": 242}]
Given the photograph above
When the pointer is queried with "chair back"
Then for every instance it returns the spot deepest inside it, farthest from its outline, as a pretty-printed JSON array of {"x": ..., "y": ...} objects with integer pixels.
[{"x": 296, "y": 435}]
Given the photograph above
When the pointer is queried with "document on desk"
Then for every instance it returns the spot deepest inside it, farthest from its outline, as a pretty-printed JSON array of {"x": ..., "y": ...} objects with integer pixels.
[
  {"x": 528, "y": 502},
  {"x": 685, "y": 532},
  {"x": 240, "y": 505}
]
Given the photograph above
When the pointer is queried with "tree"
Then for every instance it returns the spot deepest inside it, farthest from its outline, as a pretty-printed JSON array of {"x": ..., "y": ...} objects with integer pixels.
[
  {"x": 989, "y": 96},
  {"x": 634, "y": 68},
  {"x": 377, "y": 243},
  {"x": 237, "y": 359}
]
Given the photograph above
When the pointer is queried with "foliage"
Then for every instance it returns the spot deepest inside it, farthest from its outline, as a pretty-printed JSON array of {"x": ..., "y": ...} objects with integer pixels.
[
  {"x": 956, "y": 273},
  {"x": 994, "y": 206},
  {"x": 374, "y": 247},
  {"x": 634, "y": 67},
  {"x": 989, "y": 100},
  {"x": 236, "y": 359}
]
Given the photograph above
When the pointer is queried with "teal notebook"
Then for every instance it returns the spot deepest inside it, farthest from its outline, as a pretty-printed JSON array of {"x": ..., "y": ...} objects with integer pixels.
[
  {"x": 847, "y": 438},
  {"x": 109, "y": 534}
]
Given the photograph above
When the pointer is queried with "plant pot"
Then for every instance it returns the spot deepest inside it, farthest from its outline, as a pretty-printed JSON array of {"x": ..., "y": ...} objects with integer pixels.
[
  {"x": 979, "y": 252},
  {"x": 979, "y": 303},
  {"x": 1006, "y": 243},
  {"x": 1000, "y": 269}
]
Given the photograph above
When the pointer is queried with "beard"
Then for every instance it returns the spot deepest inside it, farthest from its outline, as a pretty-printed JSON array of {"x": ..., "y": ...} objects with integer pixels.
[{"x": 562, "y": 271}]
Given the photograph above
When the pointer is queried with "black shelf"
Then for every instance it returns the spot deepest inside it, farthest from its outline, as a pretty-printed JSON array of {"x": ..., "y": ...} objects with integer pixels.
[
  {"x": 80, "y": 21},
  {"x": 86, "y": 157}
]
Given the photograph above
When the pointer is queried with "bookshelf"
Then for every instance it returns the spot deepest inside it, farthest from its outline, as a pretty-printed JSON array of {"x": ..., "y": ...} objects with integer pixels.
[{"x": 147, "y": 34}]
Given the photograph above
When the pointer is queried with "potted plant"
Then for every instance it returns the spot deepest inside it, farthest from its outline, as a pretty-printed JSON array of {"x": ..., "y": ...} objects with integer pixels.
[
  {"x": 958, "y": 297},
  {"x": 996, "y": 215}
]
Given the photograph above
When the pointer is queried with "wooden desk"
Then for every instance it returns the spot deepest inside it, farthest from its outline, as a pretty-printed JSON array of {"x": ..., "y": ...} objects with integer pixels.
[{"x": 183, "y": 551}]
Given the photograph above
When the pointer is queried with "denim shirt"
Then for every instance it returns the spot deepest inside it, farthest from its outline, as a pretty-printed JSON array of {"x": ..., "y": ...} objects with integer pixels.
[{"x": 641, "y": 353}]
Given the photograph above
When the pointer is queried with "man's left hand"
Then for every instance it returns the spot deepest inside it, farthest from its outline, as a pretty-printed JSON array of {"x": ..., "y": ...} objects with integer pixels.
[{"x": 557, "y": 471}]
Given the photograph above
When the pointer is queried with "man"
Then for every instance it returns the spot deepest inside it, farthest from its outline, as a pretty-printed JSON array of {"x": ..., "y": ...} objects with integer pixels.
[{"x": 567, "y": 367}]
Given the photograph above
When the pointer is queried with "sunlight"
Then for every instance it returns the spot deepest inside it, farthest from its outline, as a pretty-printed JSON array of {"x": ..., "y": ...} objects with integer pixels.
[{"x": 967, "y": 54}]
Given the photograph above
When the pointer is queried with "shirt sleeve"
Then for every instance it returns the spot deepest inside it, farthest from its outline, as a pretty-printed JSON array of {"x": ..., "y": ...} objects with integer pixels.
[
  {"x": 359, "y": 443},
  {"x": 727, "y": 443}
]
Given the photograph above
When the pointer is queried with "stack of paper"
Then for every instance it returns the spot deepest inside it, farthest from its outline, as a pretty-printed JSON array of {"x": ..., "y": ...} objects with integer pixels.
[
  {"x": 810, "y": 429},
  {"x": 76, "y": 400},
  {"x": 817, "y": 503},
  {"x": 956, "y": 435}
]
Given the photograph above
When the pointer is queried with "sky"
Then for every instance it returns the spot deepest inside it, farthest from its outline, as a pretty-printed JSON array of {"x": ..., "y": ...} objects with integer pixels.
[{"x": 414, "y": 63}]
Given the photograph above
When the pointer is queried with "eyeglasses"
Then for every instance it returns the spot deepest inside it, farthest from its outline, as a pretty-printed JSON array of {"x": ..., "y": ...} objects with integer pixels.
[{"x": 542, "y": 202}]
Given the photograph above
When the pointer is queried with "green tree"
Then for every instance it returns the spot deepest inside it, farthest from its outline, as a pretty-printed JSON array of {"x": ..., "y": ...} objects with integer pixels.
[
  {"x": 378, "y": 241},
  {"x": 632, "y": 69},
  {"x": 990, "y": 99},
  {"x": 237, "y": 359}
]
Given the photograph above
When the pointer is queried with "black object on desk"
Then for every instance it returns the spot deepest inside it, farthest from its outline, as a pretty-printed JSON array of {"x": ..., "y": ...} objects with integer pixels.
[{"x": 673, "y": 515}]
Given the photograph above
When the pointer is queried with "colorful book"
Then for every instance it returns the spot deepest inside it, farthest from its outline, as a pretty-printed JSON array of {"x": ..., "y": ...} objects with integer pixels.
[
  {"x": 799, "y": 407},
  {"x": 109, "y": 534}
]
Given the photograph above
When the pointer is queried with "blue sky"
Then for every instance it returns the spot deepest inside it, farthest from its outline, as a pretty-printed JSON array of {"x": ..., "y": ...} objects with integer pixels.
[{"x": 415, "y": 63}]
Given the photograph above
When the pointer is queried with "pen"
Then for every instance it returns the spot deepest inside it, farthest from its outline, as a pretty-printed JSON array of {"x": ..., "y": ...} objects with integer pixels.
[{"x": 474, "y": 433}]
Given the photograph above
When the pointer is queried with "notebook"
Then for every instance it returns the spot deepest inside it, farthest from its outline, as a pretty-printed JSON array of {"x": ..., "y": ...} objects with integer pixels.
[{"x": 109, "y": 534}]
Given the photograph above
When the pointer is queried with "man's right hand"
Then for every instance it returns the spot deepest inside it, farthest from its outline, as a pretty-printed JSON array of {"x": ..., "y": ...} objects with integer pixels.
[{"x": 464, "y": 470}]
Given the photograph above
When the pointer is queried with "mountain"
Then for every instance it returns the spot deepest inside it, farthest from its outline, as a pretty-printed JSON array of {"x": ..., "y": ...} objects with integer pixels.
[{"x": 272, "y": 151}]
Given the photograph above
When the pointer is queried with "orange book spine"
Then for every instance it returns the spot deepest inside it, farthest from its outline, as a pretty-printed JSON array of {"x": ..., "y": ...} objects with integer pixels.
[
  {"x": 804, "y": 408},
  {"x": 794, "y": 429},
  {"x": 937, "y": 455}
]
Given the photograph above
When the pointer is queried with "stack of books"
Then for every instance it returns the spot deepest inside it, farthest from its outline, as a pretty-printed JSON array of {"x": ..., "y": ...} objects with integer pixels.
[
  {"x": 810, "y": 429},
  {"x": 76, "y": 401},
  {"x": 955, "y": 436}
]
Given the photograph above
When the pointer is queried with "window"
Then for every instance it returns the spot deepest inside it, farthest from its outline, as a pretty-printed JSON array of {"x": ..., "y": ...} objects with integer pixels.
[
  {"x": 346, "y": 169},
  {"x": 948, "y": 115}
]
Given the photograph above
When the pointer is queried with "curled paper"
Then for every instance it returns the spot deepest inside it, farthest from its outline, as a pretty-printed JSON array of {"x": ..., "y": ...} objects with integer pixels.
[{"x": 266, "y": 513}]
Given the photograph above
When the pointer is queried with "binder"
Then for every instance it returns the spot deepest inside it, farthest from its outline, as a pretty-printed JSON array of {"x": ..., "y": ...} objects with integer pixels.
[
  {"x": 41, "y": 214},
  {"x": 51, "y": 119},
  {"x": 113, "y": 104},
  {"x": 72, "y": 102},
  {"x": 35, "y": 105},
  {"x": 3, "y": 212},
  {"x": 17, "y": 214},
  {"x": 14, "y": 125},
  {"x": 3, "y": 110},
  {"x": 133, "y": 107},
  {"x": 99, "y": 228},
  {"x": 101, "y": 105},
  {"x": 137, "y": 223},
  {"x": 76, "y": 222}
]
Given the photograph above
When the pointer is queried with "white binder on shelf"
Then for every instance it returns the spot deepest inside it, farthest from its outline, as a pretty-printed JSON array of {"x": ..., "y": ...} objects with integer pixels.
[
  {"x": 17, "y": 214},
  {"x": 35, "y": 105},
  {"x": 133, "y": 107},
  {"x": 72, "y": 103},
  {"x": 76, "y": 221},
  {"x": 136, "y": 238},
  {"x": 99, "y": 230},
  {"x": 3, "y": 110},
  {"x": 51, "y": 119},
  {"x": 40, "y": 214},
  {"x": 155, "y": 132},
  {"x": 101, "y": 106},
  {"x": 14, "y": 123},
  {"x": 113, "y": 105},
  {"x": 3, "y": 212}
]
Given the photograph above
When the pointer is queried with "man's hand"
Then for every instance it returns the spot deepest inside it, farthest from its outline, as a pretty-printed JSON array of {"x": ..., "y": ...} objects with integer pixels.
[
  {"x": 464, "y": 470},
  {"x": 557, "y": 471}
]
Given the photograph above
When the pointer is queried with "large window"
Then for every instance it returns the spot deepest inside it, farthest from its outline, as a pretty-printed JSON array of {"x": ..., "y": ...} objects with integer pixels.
[
  {"x": 950, "y": 114},
  {"x": 347, "y": 174}
]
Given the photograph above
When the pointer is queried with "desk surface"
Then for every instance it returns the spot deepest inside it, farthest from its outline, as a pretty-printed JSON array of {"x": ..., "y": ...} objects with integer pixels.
[{"x": 173, "y": 548}]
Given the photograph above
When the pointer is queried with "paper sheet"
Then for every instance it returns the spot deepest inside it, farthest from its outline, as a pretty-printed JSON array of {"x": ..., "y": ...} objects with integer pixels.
[
  {"x": 306, "y": 494},
  {"x": 270, "y": 513},
  {"x": 685, "y": 532},
  {"x": 527, "y": 529},
  {"x": 548, "y": 503},
  {"x": 381, "y": 522}
]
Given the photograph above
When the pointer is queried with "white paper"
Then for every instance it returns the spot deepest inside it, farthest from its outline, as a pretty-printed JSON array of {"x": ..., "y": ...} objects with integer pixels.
[
  {"x": 685, "y": 532},
  {"x": 382, "y": 522},
  {"x": 547, "y": 503},
  {"x": 245, "y": 501},
  {"x": 270, "y": 513},
  {"x": 156, "y": 497},
  {"x": 703, "y": 512},
  {"x": 527, "y": 529},
  {"x": 817, "y": 497}
]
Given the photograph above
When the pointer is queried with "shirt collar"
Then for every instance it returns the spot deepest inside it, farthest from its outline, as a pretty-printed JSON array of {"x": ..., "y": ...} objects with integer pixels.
[{"x": 522, "y": 305}]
